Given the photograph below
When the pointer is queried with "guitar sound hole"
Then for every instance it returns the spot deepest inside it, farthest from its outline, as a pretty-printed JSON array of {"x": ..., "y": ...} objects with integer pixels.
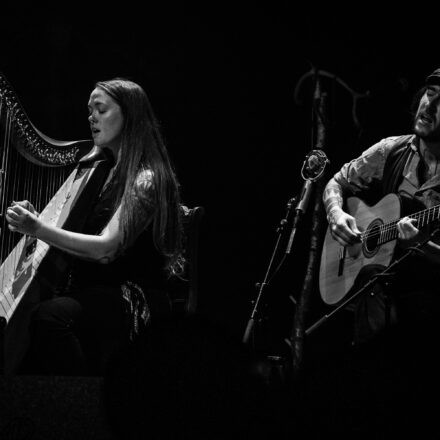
[{"x": 370, "y": 245}]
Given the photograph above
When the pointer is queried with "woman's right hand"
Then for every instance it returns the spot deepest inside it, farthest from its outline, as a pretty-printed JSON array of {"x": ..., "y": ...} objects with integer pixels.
[
  {"x": 344, "y": 229},
  {"x": 22, "y": 217},
  {"x": 26, "y": 204}
]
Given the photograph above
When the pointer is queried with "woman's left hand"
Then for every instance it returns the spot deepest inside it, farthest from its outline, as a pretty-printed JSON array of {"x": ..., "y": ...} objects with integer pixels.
[{"x": 22, "y": 220}]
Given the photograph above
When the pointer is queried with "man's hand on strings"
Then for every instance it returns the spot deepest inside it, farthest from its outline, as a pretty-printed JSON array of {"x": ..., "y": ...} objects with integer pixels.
[
  {"x": 22, "y": 217},
  {"x": 408, "y": 234},
  {"x": 344, "y": 229}
]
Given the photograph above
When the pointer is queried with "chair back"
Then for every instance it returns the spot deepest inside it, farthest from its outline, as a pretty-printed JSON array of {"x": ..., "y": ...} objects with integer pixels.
[{"x": 184, "y": 290}]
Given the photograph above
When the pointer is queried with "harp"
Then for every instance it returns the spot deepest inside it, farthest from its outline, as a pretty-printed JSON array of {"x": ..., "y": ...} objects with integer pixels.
[{"x": 44, "y": 171}]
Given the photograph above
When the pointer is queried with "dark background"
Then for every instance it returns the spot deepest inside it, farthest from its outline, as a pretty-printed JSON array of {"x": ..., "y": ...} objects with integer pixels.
[{"x": 222, "y": 81}]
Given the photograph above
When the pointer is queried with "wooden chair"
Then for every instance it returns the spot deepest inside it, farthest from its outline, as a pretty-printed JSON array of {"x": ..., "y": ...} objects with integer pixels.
[{"x": 184, "y": 290}]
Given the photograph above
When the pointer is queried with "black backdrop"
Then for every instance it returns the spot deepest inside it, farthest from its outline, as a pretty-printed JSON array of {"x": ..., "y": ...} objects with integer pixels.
[{"x": 222, "y": 82}]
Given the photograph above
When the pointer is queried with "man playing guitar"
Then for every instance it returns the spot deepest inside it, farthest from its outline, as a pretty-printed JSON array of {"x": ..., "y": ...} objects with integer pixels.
[{"x": 409, "y": 167}]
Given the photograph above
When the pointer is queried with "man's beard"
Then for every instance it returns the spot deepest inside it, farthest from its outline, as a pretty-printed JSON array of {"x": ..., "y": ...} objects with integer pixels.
[{"x": 430, "y": 136}]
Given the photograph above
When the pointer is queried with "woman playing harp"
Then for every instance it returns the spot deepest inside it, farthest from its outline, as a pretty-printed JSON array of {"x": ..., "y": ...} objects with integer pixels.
[{"x": 129, "y": 232}]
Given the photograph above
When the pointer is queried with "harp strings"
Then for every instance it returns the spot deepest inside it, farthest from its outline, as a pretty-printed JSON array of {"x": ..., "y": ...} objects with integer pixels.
[{"x": 21, "y": 179}]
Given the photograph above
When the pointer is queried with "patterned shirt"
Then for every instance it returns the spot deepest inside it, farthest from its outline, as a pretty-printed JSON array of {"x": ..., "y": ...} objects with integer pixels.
[{"x": 366, "y": 171}]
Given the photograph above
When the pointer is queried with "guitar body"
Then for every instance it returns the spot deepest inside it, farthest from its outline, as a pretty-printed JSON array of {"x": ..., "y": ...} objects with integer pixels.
[{"x": 340, "y": 266}]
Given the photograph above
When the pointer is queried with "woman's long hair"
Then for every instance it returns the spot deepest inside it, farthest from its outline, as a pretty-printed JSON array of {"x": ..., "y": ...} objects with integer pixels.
[{"x": 143, "y": 148}]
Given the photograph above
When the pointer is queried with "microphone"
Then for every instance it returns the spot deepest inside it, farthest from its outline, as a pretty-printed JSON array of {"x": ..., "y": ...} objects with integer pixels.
[
  {"x": 304, "y": 197},
  {"x": 312, "y": 169},
  {"x": 314, "y": 165}
]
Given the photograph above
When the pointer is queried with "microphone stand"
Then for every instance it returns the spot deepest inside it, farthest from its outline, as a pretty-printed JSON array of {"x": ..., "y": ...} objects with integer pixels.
[
  {"x": 312, "y": 169},
  {"x": 386, "y": 273},
  {"x": 261, "y": 286},
  {"x": 299, "y": 211}
]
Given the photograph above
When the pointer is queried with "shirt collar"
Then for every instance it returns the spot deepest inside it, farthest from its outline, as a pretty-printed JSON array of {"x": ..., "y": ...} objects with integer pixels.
[{"x": 414, "y": 142}]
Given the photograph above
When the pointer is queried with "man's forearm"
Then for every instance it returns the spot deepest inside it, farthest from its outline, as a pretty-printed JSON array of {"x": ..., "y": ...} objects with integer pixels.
[{"x": 333, "y": 199}]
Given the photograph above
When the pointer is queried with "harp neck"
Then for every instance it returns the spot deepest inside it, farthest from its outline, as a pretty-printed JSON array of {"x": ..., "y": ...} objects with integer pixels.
[{"x": 31, "y": 142}]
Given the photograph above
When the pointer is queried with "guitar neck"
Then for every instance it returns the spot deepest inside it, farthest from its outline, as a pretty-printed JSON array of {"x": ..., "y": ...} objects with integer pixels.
[{"x": 388, "y": 231}]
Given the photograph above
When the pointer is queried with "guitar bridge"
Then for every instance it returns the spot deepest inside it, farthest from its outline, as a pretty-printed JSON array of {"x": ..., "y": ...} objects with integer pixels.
[{"x": 341, "y": 261}]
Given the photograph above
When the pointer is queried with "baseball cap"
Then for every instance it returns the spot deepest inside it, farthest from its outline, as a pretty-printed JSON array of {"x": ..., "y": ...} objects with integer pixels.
[{"x": 434, "y": 77}]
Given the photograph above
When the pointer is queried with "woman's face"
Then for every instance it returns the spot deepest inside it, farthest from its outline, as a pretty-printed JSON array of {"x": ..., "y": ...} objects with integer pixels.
[{"x": 106, "y": 119}]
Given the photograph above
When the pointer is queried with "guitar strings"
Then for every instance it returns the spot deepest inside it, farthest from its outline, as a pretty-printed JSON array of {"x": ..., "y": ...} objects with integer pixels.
[{"x": 390, "y": 227}]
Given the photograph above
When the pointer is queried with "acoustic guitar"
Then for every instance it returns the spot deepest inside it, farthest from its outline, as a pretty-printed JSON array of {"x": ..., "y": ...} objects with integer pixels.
[{"x": 341, "y": 265}]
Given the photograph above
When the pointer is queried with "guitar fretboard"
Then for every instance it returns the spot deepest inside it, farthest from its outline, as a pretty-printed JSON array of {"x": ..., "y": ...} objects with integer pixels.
[{"x": 388, "y": 231}]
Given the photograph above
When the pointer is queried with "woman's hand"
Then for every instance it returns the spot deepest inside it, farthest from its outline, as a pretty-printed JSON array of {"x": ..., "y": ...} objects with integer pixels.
[{"x": 23, "y": 218}]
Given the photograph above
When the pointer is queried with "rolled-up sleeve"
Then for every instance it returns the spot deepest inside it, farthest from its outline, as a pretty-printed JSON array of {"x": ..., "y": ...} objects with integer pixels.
[{"x": 362, "y": 173}]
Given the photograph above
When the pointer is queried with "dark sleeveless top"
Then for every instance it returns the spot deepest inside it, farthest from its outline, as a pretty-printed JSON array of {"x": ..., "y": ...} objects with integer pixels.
[
  {"x": 136, "y": 270},
  {"x": 141, "y": 263}
]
